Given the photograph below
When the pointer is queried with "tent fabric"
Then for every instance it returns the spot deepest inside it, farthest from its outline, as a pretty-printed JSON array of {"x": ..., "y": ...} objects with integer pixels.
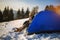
[{"x": 45, "y": 21}]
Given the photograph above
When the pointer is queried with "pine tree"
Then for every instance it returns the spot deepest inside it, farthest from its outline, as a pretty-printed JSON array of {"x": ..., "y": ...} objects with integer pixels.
[
  {"x": 46, "y": 8},
  {"x": 11, "y": 14},
  {"x": 27, "y": 13},
  {"x": 51, "y": 7},
  {"x": 22, "y": 13},
  {"x": 6, "y": 14},
  {"x": 18, "y": 14},
  {"x": 1, "y": 16}
]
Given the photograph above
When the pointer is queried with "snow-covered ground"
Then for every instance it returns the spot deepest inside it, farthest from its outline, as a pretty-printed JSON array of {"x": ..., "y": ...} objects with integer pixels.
[{"x": 7, "y": 32}]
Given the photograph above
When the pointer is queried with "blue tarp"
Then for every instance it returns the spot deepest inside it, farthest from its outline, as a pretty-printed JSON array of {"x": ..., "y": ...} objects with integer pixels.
[{"x": 45, "y": 21}]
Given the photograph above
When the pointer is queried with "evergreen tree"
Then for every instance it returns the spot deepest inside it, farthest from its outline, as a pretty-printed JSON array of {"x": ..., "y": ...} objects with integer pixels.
[
  {"x": 1, "y": 16},
  {"x": 11, "y": 14},
  {"x": 6, "y": 14},
  {"x": 46, "y": 8},
  {"x": 27, "y": 13},
  {"x": 51, "y": 7},
  {"x": 22, "y": 13},
  {"x": 18, "y": 14}
]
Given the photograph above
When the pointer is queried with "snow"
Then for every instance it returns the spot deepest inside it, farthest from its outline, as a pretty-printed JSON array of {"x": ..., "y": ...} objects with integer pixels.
[{"x": 7, "y": 32}]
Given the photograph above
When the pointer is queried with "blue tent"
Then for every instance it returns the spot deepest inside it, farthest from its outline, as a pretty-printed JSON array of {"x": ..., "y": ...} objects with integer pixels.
[{"x": 45, "y": 21}]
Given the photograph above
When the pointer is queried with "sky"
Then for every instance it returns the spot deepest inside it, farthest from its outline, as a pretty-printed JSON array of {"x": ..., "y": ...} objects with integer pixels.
[{"x": 19, "y": 4}]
